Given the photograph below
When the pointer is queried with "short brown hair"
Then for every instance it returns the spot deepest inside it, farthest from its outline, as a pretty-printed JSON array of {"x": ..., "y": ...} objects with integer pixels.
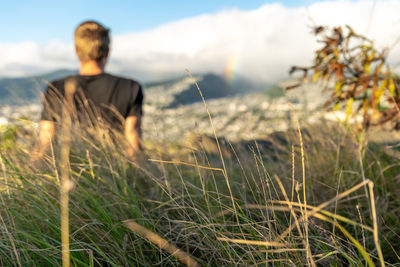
[{"x": 92, "y": 41}]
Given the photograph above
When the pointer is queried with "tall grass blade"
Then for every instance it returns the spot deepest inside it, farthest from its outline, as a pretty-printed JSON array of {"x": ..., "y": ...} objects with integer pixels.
[{"x": 162, "y": 243}]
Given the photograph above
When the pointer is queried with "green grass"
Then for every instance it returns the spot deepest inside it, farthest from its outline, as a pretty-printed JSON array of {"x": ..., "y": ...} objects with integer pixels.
[{"x": 191, "y": 207}]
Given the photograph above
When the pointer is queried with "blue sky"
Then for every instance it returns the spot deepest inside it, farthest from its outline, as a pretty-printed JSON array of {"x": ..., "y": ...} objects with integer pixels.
[{"x": 45, "y": 20}]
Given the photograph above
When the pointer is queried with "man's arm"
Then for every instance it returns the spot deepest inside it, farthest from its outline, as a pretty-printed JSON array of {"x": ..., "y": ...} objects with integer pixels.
[
  {"x": 46, "y": 135},
  {"x": 133, "y": 132}
]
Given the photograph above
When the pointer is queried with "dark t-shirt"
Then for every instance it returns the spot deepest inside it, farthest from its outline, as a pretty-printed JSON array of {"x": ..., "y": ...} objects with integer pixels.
[{"x": 99, "y": 98}]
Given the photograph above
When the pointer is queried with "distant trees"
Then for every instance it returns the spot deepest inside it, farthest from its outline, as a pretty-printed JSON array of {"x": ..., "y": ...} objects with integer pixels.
[{"x": 357, "y": 76}]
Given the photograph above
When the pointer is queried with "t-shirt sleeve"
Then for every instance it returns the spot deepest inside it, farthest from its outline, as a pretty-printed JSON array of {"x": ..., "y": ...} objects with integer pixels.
[
  {"x": 136, "y": 102},
  {"x": 51, "y": 104}
]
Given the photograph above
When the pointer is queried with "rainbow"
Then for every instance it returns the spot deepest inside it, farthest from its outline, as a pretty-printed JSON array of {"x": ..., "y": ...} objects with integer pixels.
[{"x": 231, "y": 68}]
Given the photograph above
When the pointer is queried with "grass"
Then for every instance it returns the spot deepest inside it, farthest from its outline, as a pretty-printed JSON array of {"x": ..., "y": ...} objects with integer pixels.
[{"x": 249, "y": 212}]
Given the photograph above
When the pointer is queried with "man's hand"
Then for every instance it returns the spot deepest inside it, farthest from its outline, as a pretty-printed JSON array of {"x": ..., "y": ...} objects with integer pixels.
[
  {"x": 46, "y": 135},
  {"x": 133, "y": 134}
]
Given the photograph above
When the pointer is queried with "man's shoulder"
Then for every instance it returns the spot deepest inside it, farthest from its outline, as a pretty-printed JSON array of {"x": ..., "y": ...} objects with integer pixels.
[
  {"x": 59, "y": 83},
  {"x": 123, "y": 80}
]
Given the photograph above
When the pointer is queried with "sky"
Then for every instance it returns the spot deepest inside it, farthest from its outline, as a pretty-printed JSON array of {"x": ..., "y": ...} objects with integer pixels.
[
  {"x": 154, "y": 40},
  {"x": 44, "y": 20}
]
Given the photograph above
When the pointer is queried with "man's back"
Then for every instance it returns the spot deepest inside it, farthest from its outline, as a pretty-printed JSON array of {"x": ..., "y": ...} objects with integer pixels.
[{"x": 98, "y": 97}]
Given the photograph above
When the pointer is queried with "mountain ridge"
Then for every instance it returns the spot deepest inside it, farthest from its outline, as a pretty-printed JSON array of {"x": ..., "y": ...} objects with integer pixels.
[
  {"x": 22, "y": 89},
  {"x": 18, "y": 90}
]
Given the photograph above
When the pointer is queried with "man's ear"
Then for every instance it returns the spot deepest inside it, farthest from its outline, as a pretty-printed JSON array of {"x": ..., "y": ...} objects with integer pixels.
[
  {"x": 105, "y": 58},
  {"x": 103, "y": 61}
]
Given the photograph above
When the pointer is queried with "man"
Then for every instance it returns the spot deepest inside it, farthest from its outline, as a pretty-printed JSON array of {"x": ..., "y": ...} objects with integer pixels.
[{"x": 99, "y": 97}]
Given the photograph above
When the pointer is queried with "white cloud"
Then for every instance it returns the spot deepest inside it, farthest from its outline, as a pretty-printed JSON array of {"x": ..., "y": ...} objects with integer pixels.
[
  {"x": 262, "y": 44},
  {"x": 26, "y": 58}
]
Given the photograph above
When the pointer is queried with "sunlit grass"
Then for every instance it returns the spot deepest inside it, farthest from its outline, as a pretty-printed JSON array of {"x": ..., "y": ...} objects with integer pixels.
[{"x": 184, "y": 199}]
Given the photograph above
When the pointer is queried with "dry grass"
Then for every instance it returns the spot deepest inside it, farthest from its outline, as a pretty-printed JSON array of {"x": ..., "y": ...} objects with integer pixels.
[{"x": 161, "y": 243}]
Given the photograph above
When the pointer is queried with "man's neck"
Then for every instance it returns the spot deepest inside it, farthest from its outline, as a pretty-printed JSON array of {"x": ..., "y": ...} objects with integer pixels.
[{"x": 91, "y": 68}]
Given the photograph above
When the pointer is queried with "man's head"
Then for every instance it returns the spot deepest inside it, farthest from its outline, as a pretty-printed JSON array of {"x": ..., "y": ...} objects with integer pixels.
[{"x": 92, "y": 41}]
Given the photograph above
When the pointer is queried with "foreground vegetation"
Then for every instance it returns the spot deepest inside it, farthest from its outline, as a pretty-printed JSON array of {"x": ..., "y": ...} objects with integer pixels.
[{"x": 237, "y": 209}]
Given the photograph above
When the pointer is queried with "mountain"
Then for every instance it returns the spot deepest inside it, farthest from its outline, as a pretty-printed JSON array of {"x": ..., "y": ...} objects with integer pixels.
[
  {"x": 178, "y": 91},
  {"x": 183, "y": 91},
  {"x": 22, "y": 89}
]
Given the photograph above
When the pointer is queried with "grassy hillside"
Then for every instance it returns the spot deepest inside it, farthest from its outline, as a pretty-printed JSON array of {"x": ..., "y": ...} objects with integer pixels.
[{"x": 222, "y": 211}]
